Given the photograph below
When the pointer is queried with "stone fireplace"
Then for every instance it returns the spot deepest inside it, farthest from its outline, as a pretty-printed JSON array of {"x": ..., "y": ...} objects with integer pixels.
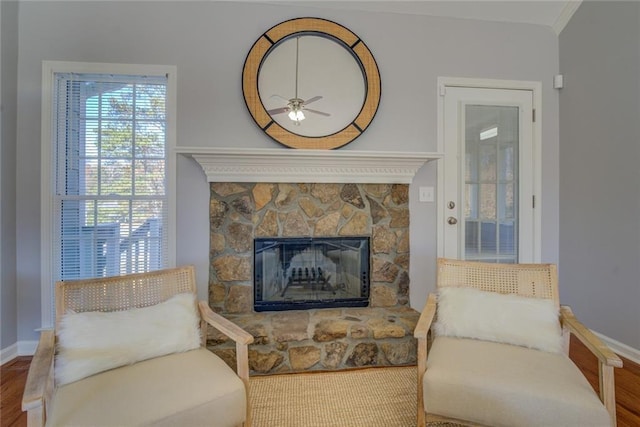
[
  {"x": 351, "y": 195},
  {"x": 242, "y": 212}
]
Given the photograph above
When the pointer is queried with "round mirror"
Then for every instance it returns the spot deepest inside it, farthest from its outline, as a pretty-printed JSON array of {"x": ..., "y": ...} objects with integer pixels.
[{"x": 311, "y": 83}]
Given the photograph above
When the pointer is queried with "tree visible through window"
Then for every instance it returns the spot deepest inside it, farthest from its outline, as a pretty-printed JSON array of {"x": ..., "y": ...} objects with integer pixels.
[{"x": 110, "y": 172}]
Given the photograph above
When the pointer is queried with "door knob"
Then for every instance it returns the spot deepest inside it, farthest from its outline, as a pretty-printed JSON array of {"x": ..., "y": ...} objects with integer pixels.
[{"x": 451, "y": 220}]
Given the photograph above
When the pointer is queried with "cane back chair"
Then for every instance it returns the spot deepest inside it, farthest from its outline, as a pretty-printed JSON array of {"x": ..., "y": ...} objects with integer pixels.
[
  {"x": 183, "y": 388},
  {"x": 483, "y": 383}
]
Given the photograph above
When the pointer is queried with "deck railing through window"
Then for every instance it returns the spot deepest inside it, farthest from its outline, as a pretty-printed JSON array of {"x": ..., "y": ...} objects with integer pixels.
[{"x": 104, "y": 252}]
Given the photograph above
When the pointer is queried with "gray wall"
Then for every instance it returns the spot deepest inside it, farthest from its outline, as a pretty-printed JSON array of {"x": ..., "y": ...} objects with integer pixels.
[
  {"x": 599, "y": 168},
  {"x": 8, "y": 96},
  {"x": 208, "y": 41}
]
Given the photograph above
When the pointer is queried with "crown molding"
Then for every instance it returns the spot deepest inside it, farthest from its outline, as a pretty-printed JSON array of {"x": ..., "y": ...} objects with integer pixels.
[
  {"x": 307, "y": 166},
  {"x": 565, "y": 15}
]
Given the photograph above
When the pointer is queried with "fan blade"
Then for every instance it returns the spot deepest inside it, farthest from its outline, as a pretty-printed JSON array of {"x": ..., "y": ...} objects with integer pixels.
[
  {"x": 310, "y": 100},
  {"x": 322, "y": 113},
  {"x": 281, "y": 97},
  {"x": 278, "y": 110}
]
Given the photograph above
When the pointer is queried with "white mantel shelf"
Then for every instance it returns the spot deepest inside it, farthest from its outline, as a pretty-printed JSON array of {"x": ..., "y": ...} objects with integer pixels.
[{"x": 307, "y": 166}]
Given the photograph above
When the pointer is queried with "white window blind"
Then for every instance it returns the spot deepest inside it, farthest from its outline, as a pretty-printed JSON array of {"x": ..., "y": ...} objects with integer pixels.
[{"x": 110, "y": 175}]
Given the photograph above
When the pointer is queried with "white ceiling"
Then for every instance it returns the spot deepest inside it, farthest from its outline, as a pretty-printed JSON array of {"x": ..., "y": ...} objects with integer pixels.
[{"x": 550, "y": 13}]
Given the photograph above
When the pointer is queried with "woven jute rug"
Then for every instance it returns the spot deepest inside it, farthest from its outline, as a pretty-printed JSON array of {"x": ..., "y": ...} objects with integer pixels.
[{"x": 384, "y": 397}]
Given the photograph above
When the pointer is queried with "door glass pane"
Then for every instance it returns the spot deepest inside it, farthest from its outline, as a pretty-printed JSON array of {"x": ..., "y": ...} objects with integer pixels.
[
  {"x": 471, "y": 201},
  {"x": 491, "y": 184}
]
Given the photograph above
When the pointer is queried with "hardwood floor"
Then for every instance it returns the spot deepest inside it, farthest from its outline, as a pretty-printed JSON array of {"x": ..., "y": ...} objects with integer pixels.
[
  {"x": 14, "y": 374},
  {"x": 627, "y": 383}
]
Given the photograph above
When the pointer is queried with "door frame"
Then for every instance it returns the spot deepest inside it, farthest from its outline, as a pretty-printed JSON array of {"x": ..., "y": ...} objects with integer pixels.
[{"x": 473, "y": 83}]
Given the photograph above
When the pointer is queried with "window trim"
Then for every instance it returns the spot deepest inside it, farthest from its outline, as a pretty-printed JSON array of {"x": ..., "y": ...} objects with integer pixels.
[{"x": 47, "y": 184}]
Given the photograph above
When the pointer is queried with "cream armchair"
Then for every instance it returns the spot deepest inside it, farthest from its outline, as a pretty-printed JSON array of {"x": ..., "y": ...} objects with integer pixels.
[
  {"x": 499, "y": 355},
  {"x": 167, "y": 377}
]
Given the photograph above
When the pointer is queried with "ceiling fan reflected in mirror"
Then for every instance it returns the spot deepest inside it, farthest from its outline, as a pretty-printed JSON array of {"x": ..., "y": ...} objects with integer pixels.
[{"x": 296, "y": 106}]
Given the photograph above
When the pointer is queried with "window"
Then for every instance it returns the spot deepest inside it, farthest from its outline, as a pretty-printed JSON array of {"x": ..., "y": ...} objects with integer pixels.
[{"x": 110, "y": 171}]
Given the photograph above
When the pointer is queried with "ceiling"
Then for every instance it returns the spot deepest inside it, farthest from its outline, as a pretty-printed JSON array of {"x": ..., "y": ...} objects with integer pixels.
[{"x": 551, "y": 13}]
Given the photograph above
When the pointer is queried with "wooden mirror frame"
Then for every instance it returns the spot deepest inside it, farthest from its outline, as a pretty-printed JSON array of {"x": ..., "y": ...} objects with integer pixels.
[{"x": 331, "y": 30}]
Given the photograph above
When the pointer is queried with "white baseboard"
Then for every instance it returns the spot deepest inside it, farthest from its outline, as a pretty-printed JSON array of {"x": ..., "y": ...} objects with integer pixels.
[
  {"x": 620, "y": 349},
  {"x": 21, "y": 348},
  {"x": 27, "y": 348},
  {"x": 8, "y": 354}
]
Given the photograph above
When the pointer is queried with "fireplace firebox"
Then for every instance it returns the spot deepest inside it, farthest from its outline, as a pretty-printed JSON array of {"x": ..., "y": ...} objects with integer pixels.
[{"x": 304, "y": 273}]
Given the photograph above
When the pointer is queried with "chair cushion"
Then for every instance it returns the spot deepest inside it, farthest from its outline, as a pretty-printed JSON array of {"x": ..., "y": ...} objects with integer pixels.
[
  {"x": 195, "y": 388},
  {"x": 505, "y": 385}
]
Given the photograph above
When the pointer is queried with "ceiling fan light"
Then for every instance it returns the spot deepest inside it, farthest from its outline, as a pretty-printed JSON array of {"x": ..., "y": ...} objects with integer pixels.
[{"x": 296, "y": 115}]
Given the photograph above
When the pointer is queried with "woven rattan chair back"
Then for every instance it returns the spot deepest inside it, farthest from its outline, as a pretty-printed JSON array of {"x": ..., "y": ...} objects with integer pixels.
[
  {"x": 122, "y": 292},
  {"x": 529, "y": 280}
]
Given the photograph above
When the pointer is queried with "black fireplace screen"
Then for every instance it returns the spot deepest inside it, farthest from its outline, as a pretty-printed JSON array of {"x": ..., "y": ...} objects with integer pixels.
[{"x": 303, "y": 273}]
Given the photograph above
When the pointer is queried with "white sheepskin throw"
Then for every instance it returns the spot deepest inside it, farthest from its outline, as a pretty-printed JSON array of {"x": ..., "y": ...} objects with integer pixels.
[
  {"x": 511, "y": 319},
  {"x": 92, "y": 342}
]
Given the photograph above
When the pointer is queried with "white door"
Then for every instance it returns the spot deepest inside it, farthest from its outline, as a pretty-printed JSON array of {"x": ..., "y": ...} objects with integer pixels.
[{"x": 489, "y": 178}]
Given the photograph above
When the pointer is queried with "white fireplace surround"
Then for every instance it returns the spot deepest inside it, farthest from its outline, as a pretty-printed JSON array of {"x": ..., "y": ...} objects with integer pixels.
[{"x": 308, "y": 166}]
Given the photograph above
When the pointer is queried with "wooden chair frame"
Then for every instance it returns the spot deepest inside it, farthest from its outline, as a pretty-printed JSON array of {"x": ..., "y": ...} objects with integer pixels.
[
  {"x": 122, "y": 293},
  {"x": 531, "y": 280}
]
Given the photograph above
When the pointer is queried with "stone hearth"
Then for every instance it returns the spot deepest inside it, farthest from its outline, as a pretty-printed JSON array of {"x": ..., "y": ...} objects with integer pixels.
[{"x": 323, "y": 339}]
